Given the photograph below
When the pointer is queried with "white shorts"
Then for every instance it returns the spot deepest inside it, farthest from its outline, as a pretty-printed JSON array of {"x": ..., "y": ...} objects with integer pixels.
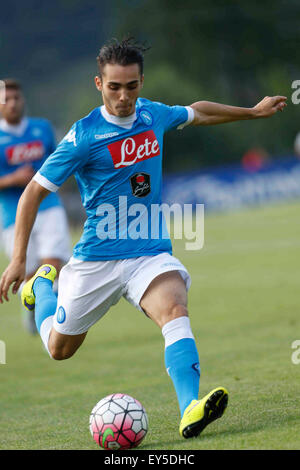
[
  {"x": 49, "y": 238},
  {"x": 87, "y": 289}
]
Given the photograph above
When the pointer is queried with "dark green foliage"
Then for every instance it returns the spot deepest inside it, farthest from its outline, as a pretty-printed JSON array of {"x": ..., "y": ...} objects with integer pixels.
[{"x": 226, "y": 51}]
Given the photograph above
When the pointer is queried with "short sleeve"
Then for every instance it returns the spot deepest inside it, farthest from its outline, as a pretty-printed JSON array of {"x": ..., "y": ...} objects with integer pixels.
[
  {"x": 175, "y": 117},
  {"x": 70, "y": 155}
]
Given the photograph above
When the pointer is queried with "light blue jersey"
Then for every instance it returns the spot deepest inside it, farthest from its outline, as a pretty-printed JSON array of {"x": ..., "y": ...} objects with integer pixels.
[
  {"x": 117, "y": 163},
  {"x": 32, "y": 145}
]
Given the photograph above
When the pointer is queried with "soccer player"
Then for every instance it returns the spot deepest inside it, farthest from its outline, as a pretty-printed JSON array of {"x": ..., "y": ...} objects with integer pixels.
[
  {"x": 25, "y": 143},
  {"x": 116, "y": 155}
]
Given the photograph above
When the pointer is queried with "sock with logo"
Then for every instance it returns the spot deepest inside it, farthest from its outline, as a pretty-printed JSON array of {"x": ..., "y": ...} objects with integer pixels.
[
  {"x": 182, "y": 360},
  {"x": 45, "y": 307}
]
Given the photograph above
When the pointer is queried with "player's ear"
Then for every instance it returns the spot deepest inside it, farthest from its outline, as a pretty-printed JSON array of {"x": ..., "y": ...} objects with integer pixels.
[
  {"x": 98, "y": 83},
  {"x": 142, "y": 81}
]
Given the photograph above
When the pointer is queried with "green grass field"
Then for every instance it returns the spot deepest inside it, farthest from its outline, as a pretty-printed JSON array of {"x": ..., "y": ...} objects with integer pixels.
[{"x": 244, "y": 306}]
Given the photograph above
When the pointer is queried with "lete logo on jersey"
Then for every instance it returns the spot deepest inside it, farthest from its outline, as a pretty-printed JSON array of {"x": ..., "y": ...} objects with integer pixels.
[
  {"x": 27, "y": 152},
  {"x": 132, "y": 149}
]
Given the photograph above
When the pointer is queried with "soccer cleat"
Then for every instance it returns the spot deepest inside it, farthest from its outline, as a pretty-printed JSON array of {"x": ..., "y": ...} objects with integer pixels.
[
  {"x": 200, "y": 413},
  {"x": 47, "y": 271}
]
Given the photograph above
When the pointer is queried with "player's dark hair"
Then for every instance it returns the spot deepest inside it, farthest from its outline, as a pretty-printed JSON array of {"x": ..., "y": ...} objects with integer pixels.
[
  {"x": 12, "y": 84},
  {"x": 126, "y": 52}
]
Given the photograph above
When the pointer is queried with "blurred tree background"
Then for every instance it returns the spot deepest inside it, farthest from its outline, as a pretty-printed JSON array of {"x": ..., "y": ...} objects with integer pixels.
[{"x": 226, "y": 51}]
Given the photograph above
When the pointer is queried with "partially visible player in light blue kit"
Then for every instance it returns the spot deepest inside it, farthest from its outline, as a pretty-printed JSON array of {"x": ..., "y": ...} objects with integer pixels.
[
  {"x": 25, "y": 144},
  {"x": 116, "y": 154}
]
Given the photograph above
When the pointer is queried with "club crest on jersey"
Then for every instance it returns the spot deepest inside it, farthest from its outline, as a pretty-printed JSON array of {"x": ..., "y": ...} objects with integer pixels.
[
  {"x": 22, "y": 153},
  {"x": 146, "y": 117},
  {"x": 140, "y": 184},
  {"x": 134, "y": 149}
]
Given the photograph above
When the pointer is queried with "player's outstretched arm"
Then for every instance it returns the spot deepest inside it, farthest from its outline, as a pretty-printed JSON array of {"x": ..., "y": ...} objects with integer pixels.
[
  {"x": 209, "y": 113},
  {"x": 26, "y": 214}
]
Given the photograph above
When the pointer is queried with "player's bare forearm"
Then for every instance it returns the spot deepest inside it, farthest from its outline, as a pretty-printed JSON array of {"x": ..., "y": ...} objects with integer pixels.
[
  {"x": 27, "y": 209},
  {"x": 26, "y": 213},
  {"x": 20, "y": 177},
  {"x": 210, "y": 113}
]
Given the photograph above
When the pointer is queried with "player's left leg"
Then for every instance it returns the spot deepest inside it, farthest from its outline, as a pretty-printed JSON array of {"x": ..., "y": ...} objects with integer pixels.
[{"x": 165, "y": 302}]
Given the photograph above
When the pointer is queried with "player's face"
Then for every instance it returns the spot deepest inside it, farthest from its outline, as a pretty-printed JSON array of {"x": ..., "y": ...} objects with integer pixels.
[
  {"x": 120, "y": 87},
  {"x": 13, "y": 109}
]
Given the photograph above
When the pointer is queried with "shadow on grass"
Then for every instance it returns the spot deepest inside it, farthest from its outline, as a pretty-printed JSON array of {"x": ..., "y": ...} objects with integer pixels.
[{"x": 241, "y": 429}]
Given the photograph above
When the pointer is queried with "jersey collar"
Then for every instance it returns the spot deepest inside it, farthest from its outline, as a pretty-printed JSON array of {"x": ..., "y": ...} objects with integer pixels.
[
  {"x": 16, "y": 129},
  {"x": 125, "y": 122}
]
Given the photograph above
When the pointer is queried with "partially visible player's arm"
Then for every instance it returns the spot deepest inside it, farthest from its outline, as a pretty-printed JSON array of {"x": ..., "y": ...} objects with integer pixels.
[
  {"x": 20, "y": 177},
  {"x": 26, "y": 213},
  {"x": 209, "y": 113}
]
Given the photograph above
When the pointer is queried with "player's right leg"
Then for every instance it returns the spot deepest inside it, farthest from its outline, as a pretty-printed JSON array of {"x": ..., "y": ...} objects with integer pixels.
[
  {"x": 159, "y": 288},
  {"x": 165, "y": 302},
  {"x": 61, "y": 346}
]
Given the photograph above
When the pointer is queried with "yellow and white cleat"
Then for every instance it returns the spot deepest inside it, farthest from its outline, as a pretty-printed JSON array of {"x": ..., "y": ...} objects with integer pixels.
[
  {"x": 202, "y": 412},
  {"x": 47, "y": 271}
]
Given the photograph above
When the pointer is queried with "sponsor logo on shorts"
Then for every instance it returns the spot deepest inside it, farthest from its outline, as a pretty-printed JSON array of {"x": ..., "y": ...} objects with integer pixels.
[
  {"x": 171, "y": 264},
  {"x": 61, "y": 315}
]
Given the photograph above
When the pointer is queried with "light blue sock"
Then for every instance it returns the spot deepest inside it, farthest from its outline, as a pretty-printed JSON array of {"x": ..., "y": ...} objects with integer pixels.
[
  {"x": 182, "y": 361},
  {"x": 45, "y": 300}
]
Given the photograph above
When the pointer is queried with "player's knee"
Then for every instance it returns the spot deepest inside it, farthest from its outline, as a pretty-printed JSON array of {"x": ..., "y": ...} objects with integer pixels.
[
  {"x": 60, "y": 354},
  {"x": 176, "y": 311}
]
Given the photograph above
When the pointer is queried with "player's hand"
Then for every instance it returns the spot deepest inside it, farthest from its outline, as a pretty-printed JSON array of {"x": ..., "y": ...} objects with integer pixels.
[
  {"x": 23, "y": 175},
  {"x": 270, "y": 105},
  {"x": 14, "y": 274}
]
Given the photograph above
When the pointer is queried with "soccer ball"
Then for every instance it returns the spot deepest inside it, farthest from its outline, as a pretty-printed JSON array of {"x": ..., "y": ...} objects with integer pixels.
[{"x": 118, "y": 422}]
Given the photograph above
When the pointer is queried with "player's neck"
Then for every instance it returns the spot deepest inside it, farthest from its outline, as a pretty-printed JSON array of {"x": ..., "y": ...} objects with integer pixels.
[
  {"x": 126, "y": 121},
  {"x": 14, "y": 128},
  {"x": 108, "y": 111}
]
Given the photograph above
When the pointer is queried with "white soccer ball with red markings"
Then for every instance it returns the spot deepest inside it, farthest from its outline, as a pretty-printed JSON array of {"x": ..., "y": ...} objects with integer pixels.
[{"x": 118, "y": 422}]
